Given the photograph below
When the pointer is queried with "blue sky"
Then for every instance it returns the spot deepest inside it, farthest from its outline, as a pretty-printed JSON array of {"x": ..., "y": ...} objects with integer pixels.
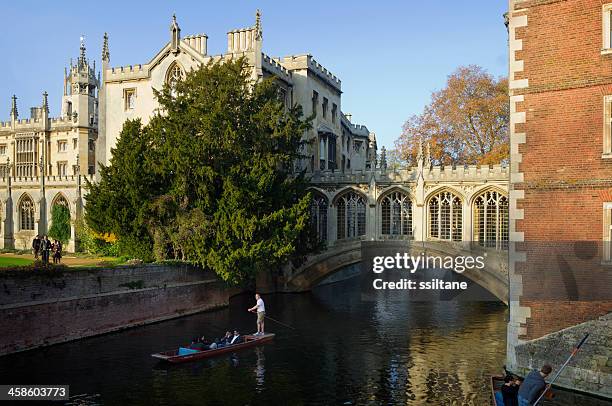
[{"x": 390, "y": 55}]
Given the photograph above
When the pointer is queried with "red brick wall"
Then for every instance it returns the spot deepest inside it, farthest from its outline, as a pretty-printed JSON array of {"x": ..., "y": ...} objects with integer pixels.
[{"x": 565, "y": 178}]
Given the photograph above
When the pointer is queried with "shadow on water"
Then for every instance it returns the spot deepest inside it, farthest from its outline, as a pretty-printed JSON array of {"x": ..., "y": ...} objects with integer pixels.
[{"x": 344, "y": 351}]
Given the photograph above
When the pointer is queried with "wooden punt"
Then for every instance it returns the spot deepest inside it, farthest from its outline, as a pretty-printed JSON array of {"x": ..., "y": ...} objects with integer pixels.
[
  {"x": 497, "y": 381},
  {"x": 249, "y": 341}
]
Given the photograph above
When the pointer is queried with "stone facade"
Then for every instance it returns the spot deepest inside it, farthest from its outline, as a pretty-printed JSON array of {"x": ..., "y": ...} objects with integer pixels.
[
  {"x": 43, "y": 160},
  {"x": 560, "y": 61}
]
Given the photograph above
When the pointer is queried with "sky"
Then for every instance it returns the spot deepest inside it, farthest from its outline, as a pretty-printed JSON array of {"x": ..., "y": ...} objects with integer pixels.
[{"x": 390, "y": 55}]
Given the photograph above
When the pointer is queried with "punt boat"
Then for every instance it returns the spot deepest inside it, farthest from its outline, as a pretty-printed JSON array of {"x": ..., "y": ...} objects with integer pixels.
[{"x": 178, "y": 356}]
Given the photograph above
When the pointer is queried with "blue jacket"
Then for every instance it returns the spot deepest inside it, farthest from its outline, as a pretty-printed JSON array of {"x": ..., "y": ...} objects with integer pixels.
[{"x": 532, "y": 386}]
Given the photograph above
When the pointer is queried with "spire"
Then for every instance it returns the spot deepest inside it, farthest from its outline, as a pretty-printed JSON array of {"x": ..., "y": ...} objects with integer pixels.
[
  {"x": 14, "y": 112},
  {"x": 258, "y": 30},
  {"x": 175, "y": 31},
  {"x": 428, "y": 156},
  {"x": 82, "y": 49},
  {"x": 105, "y": 51},
  {"x": 45, "y": 104},
  {"x": 383, "y": 158}
]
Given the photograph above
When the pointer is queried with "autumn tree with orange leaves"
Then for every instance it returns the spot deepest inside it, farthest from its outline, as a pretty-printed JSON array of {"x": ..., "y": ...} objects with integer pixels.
[{"x": 465, "y": 123}]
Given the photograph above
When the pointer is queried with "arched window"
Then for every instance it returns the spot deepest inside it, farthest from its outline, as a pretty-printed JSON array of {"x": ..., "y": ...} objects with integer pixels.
[
  {"x": 396, "y": 210},
  {"x": 351, "y": 215},
  {"x": 26, "y": 213},
  {"x": 61, "y": 200},
  {"x": 318, "y": 216},
  {"x": 491, "y": 220},
  {"x": 445, "y": 216},
  {"x": 175, "y": 74}
]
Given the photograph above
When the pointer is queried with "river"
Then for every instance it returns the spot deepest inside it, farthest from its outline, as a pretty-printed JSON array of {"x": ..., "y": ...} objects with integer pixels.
[{"x": 344, "y": 350}]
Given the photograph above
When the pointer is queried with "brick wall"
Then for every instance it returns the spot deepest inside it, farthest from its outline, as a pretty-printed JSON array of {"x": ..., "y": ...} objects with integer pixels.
[
  {"x": 75, "y": 304},
  {"x": 564, "y": 176}
]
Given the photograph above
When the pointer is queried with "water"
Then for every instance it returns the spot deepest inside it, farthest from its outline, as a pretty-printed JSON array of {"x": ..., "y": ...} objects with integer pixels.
[{"x": 344, "y": 351}]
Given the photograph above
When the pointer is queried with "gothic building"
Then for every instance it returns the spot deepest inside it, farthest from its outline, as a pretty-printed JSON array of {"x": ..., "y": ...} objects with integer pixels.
[{"x": 43, "y": 160}]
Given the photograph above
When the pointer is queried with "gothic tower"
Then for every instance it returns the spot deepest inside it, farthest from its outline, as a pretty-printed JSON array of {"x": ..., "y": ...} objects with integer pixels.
[{"x": 80, "y": 103}]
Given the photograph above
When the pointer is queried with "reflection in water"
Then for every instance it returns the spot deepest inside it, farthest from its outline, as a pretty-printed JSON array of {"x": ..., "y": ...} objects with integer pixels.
[{"x": 345, "y": 351}]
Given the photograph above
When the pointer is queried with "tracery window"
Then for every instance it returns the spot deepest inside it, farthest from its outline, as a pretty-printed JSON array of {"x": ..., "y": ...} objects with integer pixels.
[
  {"x": 396, "y": 210},
  {"x": 175, "y": 74},
  {"x": 445, "y": 216},
  {"x": 491, "y": 220},
  {"x": 26, "y": 214},
  {"x": 318, "y": 216},
  {"x": 351, "y": 215}
]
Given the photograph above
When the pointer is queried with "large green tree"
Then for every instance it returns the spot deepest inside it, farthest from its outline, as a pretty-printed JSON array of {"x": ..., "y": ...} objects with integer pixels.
[{"x": 209, "y": 179}]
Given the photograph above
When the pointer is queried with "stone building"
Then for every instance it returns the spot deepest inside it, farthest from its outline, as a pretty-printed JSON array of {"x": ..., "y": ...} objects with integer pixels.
[
  {"x": 43, "y": 160},
  {"x": 560, "y": 79}
]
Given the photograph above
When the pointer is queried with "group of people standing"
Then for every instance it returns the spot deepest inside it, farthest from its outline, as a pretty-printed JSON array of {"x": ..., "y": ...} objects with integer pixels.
[{"x": 43, "y": 247}]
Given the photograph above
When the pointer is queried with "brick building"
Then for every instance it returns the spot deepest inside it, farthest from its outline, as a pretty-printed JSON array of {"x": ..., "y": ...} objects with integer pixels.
[{"x": 560, "y": 78}]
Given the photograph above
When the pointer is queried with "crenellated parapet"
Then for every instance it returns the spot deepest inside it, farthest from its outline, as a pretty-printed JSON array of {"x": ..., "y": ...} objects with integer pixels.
[
  {"x": 306, "y": 61},
  {"x": 274, "y": 67}
]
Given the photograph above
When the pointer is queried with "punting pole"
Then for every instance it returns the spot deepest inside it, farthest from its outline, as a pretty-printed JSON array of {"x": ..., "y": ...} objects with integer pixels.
[{"x": 574, "y": 352}]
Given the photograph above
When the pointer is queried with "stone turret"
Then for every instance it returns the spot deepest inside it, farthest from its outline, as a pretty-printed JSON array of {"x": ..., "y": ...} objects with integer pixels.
[{"x": 175, "y": 34}]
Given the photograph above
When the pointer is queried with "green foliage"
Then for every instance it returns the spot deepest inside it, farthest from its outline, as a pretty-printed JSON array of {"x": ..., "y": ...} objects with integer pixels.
[
  {"x": 60, "y": 223},
  {"x": 89, "y": 241},
  {"x": 209, "y": 179}
]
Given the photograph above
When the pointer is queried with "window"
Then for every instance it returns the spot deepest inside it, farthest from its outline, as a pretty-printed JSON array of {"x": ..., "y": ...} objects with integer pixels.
[
  {"x": 445, "y": 216},
  {"x": 331, "y": 152},
  {"x": 74, "y": 143},
  {"x": 607, "y": 29},
  {"x": 357, "y": 146},
  {"x": 318, "y": 216},
  {"x": 491, "y": 220},
  {"x": 62, "y": 146},
  {"x": 2, "y": 149},
  {"x": 322, "y": 151},
  {"x": 91, "y": 169},
  {"x": 351, "y": 215},
  {"x": 607, "y": 130},
  {"x": 396, "y": 210},
  {"x": 175, "y": 74},
  {"x": 334, "y": 112},
  {"x": 26, "y": 213},
  {"x": 325, "y": 103},
  {"x": 26, "y": 158},
  {"x": 315, "y": 102},
  {"x": 607, "y": 232},
  {"x": 91, "y": 145},
  {"x": 129, "y": 98},
  {"x": 61, "y": 168}
]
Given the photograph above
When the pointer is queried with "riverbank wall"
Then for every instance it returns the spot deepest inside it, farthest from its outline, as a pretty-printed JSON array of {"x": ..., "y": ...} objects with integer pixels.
[
  {"x": 44, "y": 308},
  {"x": 590, "y": 371}
]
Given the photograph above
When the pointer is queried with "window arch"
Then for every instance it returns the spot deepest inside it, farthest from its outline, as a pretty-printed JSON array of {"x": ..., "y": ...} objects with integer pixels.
[
  {"x": 174, "y": 74},
  {"x": 61, "y": 200},
  {"x": 491, "y": 220},
  {"x": 445, "y": 216},
  {"x": 26, "y": 213},
  {"x": 396, "y": 214},
  {"x": 318, "y": 216},
  {"x": 351, "y": 215}
]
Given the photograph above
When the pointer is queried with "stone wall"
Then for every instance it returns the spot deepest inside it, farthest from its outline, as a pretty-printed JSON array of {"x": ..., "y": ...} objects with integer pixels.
[
  {"x": 589, "y": 371},
  {"x": 43, "y": 309}
]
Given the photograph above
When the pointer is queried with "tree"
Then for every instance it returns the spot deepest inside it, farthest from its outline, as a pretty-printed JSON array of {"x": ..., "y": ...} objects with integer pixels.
[
  {"x": 60, "y": 223},
  {"x": 465, "y": 123},
  {"x": 209, "y": 179}
]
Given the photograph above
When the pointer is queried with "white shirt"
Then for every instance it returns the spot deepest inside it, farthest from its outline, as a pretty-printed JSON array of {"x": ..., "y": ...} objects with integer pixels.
[
  {"x": 234, "y": 339},
  {"x": 261, "y": 307}
]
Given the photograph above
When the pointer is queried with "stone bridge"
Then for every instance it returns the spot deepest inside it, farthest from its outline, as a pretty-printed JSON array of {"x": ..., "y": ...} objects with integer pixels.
[{"x": 443, "y": 210}]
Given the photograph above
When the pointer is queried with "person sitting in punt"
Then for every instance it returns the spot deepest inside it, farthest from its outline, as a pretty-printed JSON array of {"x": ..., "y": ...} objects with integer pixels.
[
  {"x": 509, "y": 391},
  {"x": 225, "y": 340},
  {"x": 196, "y": 344},
  {"x": 237, "y": 338}
]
